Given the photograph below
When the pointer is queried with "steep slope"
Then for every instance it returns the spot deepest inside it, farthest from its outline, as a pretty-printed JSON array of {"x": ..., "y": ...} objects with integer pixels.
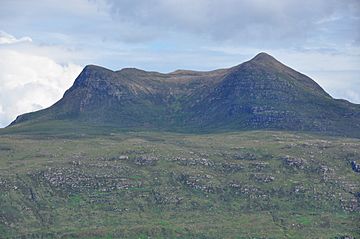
[
  {"x": 259, "y": 94},
  {"x": 263, "y": 93}
]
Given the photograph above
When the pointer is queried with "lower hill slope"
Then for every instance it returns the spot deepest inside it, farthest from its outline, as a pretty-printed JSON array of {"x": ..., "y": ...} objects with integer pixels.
[{"x": 106, "y": 183}]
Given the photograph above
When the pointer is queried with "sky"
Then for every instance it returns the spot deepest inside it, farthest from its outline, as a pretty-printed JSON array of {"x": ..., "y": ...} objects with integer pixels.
[{"x": 44, "y": 44}]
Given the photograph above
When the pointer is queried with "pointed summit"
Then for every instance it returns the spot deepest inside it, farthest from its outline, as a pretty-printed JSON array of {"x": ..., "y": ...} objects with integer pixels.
[
  {"x": 263, "y": 57},
  {"x": 92, "y": 73}
]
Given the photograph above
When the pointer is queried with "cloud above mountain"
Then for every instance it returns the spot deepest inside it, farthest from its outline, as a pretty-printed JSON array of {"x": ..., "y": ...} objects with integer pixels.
[{"x": 30, "y": 82}]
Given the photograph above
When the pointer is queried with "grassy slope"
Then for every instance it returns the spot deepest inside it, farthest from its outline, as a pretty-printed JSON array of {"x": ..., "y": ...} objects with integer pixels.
[{"x": 72, "y": 184}]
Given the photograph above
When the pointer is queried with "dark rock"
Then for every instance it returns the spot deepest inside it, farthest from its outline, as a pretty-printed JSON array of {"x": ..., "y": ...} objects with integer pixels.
[
  {"x": 259, "y": 166},
  {"x": 232, "y": 167},
  {"x": 194, "y": 161},
  {"x": 345, "y": 237},
  {"x": 293, "y": 162},
  {"x": 355, "y": 166},
  {"x": 145, "y": 160},
  {"x": 196, "y": 183}
]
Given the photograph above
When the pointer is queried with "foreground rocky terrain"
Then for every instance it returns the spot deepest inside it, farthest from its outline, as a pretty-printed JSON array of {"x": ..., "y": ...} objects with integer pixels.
[{"x": 258, "y": 184}]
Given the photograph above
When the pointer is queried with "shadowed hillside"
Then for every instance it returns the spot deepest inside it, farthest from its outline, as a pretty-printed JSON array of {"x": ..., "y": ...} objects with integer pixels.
[{"x": 259, "y": 94}]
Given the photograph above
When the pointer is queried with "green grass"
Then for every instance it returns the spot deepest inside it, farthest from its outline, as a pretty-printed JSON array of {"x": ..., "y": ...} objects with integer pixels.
[{"x": 69, "y": 184}]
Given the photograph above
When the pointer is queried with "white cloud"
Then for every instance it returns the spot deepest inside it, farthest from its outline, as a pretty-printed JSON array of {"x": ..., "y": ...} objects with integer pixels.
[
  {"x": 340, "y": 84},
  {"x": 6, "y": 38},
  {"x": 29, "y": 82}
]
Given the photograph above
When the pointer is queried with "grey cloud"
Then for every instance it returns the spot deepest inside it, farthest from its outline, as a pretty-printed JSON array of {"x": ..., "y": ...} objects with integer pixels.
[
  {"x": 256, "y": 23},
  {"x": 270, "y": 23}
]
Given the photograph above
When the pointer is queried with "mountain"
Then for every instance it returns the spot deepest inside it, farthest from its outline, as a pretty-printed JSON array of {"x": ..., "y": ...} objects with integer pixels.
[{"x": 261, "y": 93}]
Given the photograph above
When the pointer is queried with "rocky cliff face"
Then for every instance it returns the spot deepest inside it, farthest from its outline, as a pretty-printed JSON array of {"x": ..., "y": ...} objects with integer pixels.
[{"x": 259, "y": 94}]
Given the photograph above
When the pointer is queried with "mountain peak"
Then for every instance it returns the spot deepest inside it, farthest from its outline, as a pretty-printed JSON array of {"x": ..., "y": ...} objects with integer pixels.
[
  {"x": 92, "y": 68},
  {"x": 264, "y": 58},
  {"x": 92, "y": 73}
]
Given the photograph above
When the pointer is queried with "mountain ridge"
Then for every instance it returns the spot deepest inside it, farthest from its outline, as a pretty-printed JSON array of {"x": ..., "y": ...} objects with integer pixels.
[{"x": 261, "y": 93}]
